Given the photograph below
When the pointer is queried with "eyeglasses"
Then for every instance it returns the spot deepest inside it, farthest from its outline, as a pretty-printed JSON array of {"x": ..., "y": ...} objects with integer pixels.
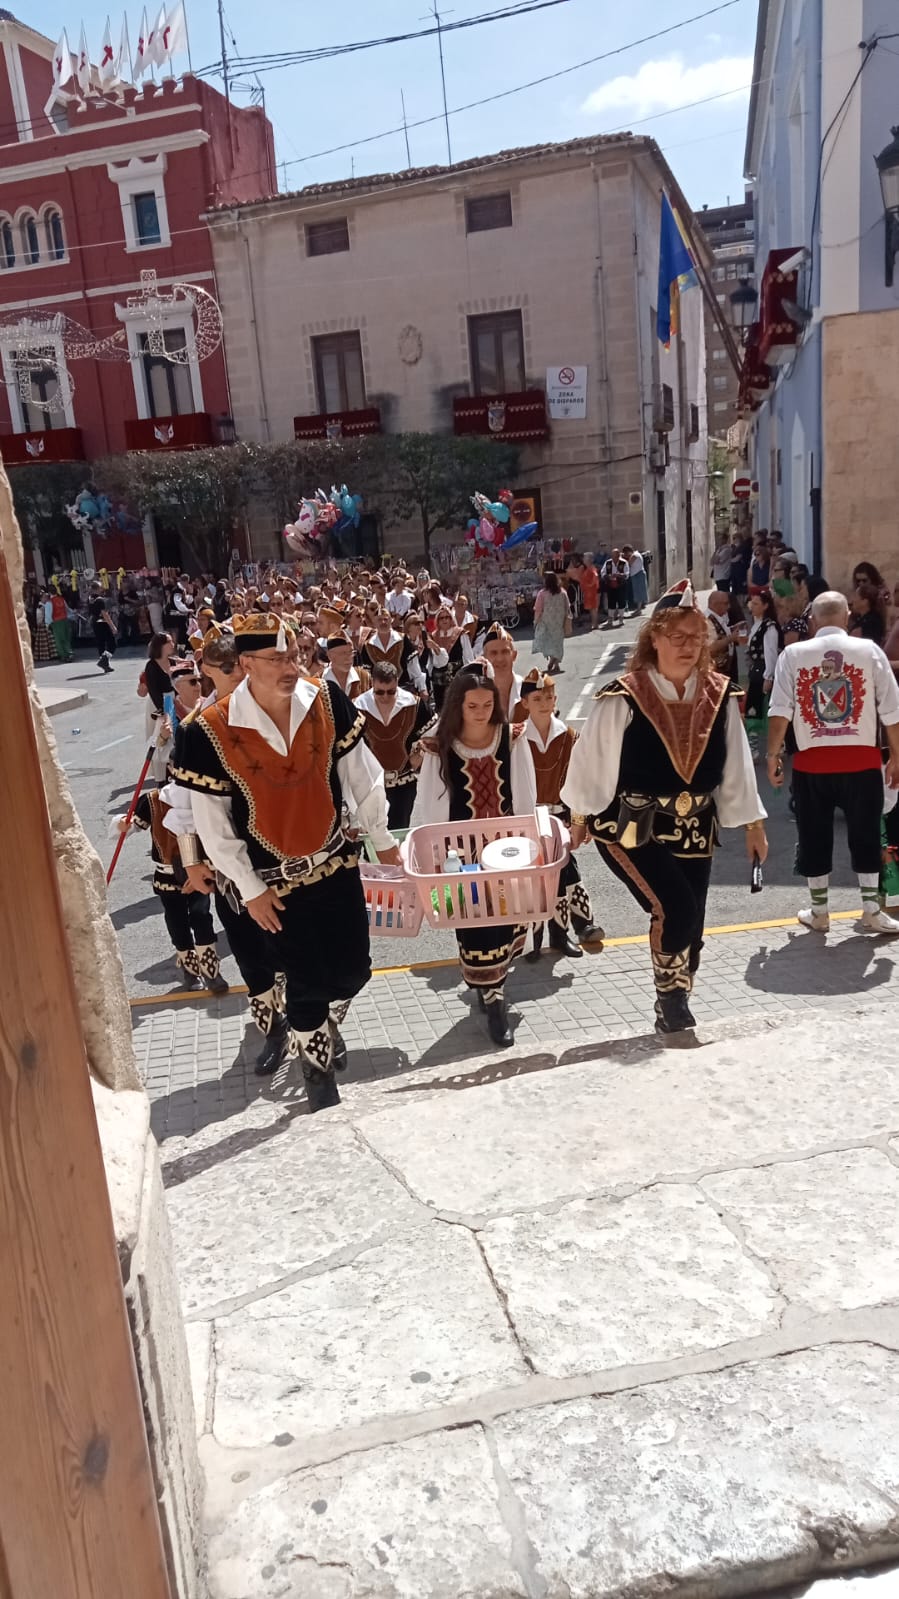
[
  {"x": 384, "y": 693},
  {"x": 682, "y": 636}
]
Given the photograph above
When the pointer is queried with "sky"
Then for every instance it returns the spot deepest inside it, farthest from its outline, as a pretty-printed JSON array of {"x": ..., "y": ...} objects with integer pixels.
[{"x": 649, "y": 87}]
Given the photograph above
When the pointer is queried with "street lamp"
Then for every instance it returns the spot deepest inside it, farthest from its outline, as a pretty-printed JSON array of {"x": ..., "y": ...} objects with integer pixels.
[
  {"x": 743, "y": 302},
  {"x": 888, "y": 170}
]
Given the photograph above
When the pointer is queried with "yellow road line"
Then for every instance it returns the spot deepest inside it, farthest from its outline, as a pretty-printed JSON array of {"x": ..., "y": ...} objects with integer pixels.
[{"x": 433, "y": 966}]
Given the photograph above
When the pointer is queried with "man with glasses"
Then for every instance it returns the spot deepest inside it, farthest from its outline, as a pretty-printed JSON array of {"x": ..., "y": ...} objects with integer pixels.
[
  {"x": 351, "y": 680},
  {"x": 271, "y": 770},
  {"x": 394, "y": 722}
]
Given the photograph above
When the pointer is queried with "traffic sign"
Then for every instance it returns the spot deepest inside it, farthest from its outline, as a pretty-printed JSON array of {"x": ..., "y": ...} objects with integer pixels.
[{"x": 742, "y": 488}]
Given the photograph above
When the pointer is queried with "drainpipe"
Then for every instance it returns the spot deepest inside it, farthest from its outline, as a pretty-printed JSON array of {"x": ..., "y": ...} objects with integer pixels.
[
  {"x": 605, "y": 382},
  {"x": 260, "y": 377}
]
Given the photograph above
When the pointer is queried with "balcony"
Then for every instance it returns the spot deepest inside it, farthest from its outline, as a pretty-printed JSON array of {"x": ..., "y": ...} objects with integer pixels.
[
  {"x": 516, "y": 417},
  {"x": 192, "y": 432},
  {"x": 336, "y": 425},
  {"x": 780, "y": 324},
  {"x": 53, "y": 444},
  {"x": 663, "y": 408}
]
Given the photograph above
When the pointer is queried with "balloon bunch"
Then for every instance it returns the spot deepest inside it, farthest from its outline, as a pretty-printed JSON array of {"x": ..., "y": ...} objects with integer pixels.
[
  {"x": 489, "y": 529},
  {"x": 324, "y": 513},
  {"x": 91, "y": 511}
]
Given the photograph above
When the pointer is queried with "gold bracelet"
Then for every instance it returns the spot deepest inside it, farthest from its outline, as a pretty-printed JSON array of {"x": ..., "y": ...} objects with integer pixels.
[
  {"x": 578, "y": 820},
  {"x": 751, "y": 826}
]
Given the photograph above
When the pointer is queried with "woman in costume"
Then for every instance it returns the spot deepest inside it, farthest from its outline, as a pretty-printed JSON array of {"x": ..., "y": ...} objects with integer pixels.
[
  {"x": 474, "y": 767},
  {"x": 663, "y": 762},
  {"x": 762, "y": 650},
  {"x": 551, "y": 746}
]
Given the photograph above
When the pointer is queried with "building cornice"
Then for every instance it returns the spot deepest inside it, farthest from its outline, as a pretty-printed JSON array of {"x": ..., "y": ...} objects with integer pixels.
[{"x": 100, "y": 155}]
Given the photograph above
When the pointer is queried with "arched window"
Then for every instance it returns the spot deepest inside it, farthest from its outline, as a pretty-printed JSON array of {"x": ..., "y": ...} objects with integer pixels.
[
  {"x": 7, "y": 247},
  {"x": 31, "y": 244},
  {"x": 56, "y": 244}
]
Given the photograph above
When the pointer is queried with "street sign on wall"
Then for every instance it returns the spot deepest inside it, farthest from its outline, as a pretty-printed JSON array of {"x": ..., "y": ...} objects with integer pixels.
[
  {"x": 742, "y": 488},
  {"x": 566, "y": 393}
]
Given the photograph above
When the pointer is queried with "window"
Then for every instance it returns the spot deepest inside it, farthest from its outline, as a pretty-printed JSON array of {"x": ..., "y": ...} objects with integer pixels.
[
  {"x": 497, "y": 353},
  {"x": 44, "y": 384},
  {"x": 168, "y": 383},
  {"x": 719, "y": 355},
  {"x": 31, "y": 244},
  {"x": 339, "y": 378},
  {"x": 693, "y": 435},
  {"x": 486, "y": 211},
  {"x": 56, "y": 244},
  {"x": 721, "y": 298},
  {"x": 720, "y": 382},
  {"x": 717, "y": 274},
  {"x": 7, "y": 247},
  {"x": 661, "y": 540},
  {"x": 721, "y": 405},
  {"x": 688, "y": 524},
  {"x": 327, "y": 238},
  {"x": 146, "y": 219}
]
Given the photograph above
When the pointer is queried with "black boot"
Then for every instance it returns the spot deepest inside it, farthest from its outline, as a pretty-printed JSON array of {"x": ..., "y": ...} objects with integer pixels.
[
  {"x": 498, "y": 1022},
  {"x": 673, "y": 1013},
  {"x": 339, "y": 1056},
  {"x": 560, "y": 939},
  {"x": 321, "y": 1090},
  {"x": 589, "y": 936},
  {"x": 274, "y": 1050},
  {"x": 534, "y": 954},
  {"x": 190, "y": 969}
]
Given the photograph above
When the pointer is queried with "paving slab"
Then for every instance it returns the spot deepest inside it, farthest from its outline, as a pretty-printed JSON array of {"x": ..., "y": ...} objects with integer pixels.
[
  {"x": 579, "y": 1305},
  {"x": 288, "y": 1201},
  {"x": 828, "y": 1227},
  {"x": 712, "y": 1485},
  {"x": 410, "y": 1325},
  {"x": 420, "y": 1520},
  {"x": 862, "y": 1585},
  {"x": 586, "y": 1128}
]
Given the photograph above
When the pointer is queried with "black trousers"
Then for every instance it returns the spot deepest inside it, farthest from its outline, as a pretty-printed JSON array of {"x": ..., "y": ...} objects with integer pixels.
[
  {"x": 104, "y": 638},
  {"x": 188, "y": 919},
  {"x": 859, "y": 795},
  {"x": 616, "y": 597},
  {"x": 755, "y": 693},
  {"x": 322, "y": 948},
  {"x": 400, "y": 801},
  {"x": 672, "y": 888},
  {"x": 248, "y": 945}
]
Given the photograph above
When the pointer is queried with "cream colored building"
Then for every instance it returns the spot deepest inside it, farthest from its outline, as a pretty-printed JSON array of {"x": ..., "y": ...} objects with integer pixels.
[{"x": 454, "y": 297}]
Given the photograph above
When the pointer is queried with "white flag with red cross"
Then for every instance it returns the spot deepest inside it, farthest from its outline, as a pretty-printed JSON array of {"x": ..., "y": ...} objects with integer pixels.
[
  {"x": 176, "y": 31},
  {"x": 123, "y": 58},
  {"x": 84, "y": 64},
  {"x": 107, "y": 58},
  {"x": 155, "y": 43},
  {"x": 141, "y": 64},
  {"x": 63, "y": 65}
]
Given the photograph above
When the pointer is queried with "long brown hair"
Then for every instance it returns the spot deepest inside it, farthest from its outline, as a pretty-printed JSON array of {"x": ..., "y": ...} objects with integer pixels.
[
  {"x": 451, "y": 717},
  {"x": 644, "y": 651}
]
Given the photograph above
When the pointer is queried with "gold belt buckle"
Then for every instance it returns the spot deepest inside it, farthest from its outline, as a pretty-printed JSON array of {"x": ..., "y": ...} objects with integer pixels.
[{"x": 683, "y": 805}]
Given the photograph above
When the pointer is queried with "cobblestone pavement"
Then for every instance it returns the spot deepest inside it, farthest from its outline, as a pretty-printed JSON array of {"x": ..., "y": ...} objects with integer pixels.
[{"x": 198, "y": 1068}]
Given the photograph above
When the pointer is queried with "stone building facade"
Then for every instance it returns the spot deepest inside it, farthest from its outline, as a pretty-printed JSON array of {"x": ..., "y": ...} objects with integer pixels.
[
  {"x": 462, "y": 299},
  {"x": 730, "y": 231}
]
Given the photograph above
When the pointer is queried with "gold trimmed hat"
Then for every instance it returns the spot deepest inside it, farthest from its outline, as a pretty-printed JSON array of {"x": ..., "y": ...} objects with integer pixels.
[
  {"x": 535, "y": 682},
  {"x": 259, "y": 630}
]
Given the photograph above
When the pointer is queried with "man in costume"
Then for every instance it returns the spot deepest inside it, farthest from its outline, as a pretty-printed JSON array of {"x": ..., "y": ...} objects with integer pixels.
[
  {"x": 662, "y": 763},
  {"x": 394, "y": 721},
  {"x": 833, "y": 690},
  {"x": 271, "y": 770},
  {"x": 352, "y": 680},
  {"x": 500, "y": 651}
]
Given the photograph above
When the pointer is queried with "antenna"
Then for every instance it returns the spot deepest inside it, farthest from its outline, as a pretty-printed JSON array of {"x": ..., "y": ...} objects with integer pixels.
[
  {"x": 227, "y": 81},
  {"x": 405, "y": 130},
  {"x": 436, "y": 15}
]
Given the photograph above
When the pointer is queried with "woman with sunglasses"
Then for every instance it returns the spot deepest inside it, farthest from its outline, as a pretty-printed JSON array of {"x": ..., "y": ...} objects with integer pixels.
[{"x": 475, "y": 766}]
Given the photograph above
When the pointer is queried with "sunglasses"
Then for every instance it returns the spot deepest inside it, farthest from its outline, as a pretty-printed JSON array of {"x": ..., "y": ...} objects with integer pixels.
[{"x": 384, "y": 693}]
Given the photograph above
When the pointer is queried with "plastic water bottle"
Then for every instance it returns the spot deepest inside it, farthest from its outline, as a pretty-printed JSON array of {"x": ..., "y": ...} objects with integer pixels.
[{"x": 453, "y": 861}]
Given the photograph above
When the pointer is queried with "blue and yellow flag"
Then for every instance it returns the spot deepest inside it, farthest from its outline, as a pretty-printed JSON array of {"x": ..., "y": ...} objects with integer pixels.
[{"x": 676, "y": 272}]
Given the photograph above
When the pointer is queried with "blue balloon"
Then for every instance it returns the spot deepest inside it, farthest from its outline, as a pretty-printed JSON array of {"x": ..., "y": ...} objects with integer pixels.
[
  {"x": 499, "y": 512},
  {"x": 519, "y": 536}
]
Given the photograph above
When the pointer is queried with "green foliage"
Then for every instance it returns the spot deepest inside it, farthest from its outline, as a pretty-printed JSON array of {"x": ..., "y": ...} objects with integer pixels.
[
  {"x": 201, "y": 494},
  {"x": 40, "y": 495},
  {"x": 433, "y": 476}
]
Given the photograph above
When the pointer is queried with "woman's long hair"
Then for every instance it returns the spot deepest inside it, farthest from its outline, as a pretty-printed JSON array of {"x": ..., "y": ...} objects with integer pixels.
[
  {"x": 770, "y": 612},
  {"x": 449, "y": 726},
  {"x": 644, "y": 655}
]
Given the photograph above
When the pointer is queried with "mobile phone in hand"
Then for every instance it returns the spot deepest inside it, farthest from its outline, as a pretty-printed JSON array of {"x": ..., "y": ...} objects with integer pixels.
[{"x": 756, "y": 881}]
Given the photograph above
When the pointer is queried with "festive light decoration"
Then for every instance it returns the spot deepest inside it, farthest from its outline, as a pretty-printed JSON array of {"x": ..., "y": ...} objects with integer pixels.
[{"x": 49, "y": 341}]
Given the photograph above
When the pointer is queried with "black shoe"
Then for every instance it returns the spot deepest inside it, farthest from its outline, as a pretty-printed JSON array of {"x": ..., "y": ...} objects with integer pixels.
[
  {"x": 274, "y": 1050},
  {"x": 498, "y": 1022},
  {"x": 482, "y": 1003},
  {"x": 321, "y": 1091},
  {"x": 590, "y": 936},
  {"x": 561, "y": 940},
  {"x": 534, "y": 954},
  {"x": 217, "y": 984},
  {"x": 339, "y": 1056},
  {"x": 673, "y": 1013},
  {"x": 103, "y": 664}
]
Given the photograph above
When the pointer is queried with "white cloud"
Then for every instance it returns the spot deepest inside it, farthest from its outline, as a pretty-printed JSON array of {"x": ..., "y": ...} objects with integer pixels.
[{"x": 667, "y": 85}]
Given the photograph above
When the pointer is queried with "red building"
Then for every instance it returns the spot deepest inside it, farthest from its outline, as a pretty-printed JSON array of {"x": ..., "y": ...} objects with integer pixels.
[{"x": 93, "y": 191}]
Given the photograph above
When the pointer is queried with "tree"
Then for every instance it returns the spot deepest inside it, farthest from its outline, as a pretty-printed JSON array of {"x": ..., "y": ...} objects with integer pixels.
[
  {"x": 200, "y": 494},
  {"x": 433, "y": 476},
  {"x": 40, "y": 495}
]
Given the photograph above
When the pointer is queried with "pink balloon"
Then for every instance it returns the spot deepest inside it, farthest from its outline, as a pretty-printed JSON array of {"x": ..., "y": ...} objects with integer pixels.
[{"x": 486, "y": 531}]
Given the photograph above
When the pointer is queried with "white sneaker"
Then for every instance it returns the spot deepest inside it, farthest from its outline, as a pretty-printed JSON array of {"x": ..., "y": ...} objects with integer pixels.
[
  {"x": 879, "y": 922},
  {"x": 819, "y": 921}
]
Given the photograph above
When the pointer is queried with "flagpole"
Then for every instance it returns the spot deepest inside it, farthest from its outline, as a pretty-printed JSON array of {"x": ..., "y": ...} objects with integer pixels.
[{"x": 190, "y": 65}]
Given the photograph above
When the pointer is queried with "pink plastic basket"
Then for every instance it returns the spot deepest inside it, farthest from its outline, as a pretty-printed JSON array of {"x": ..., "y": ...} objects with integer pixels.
[
  {"x": 394, "y": 909},
  {"x": 485, "y": 899}
]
